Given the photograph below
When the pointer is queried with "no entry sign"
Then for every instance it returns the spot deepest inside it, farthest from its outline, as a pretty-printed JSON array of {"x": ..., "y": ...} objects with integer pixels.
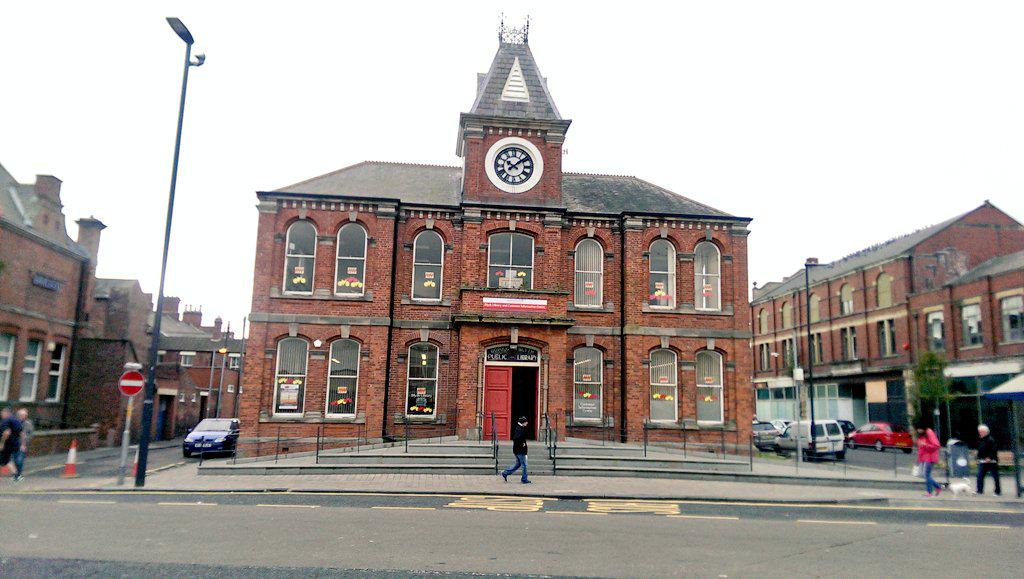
[{"x": 131, "y": 383}]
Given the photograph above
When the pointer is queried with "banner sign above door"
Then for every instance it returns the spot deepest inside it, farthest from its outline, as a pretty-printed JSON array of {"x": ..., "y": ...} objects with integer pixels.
[
  {"x": 515, "y": 304},
  {"x": 508, "y": 354}
]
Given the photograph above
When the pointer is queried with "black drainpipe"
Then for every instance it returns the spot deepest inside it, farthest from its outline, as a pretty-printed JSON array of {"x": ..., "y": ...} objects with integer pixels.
[
  {"x": 391, "y": 322},
  {"x": 622, "y": 328},
  {"x": 83, "y": 285}
]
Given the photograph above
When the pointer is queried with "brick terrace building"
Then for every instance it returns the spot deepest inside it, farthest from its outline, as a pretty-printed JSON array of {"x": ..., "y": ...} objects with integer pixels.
[
  {"x": 389, "y": 292},
  {"x": 867, "y": 315}
]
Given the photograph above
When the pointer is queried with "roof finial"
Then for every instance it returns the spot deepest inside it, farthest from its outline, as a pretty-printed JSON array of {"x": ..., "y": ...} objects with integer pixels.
[{"x": 508, "y": 35}]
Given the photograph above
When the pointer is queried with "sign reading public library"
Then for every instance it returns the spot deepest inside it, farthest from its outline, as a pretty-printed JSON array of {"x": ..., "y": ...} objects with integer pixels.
[
  {"x": 515, "y": 304},
  {"x": 508, "y": 354}
]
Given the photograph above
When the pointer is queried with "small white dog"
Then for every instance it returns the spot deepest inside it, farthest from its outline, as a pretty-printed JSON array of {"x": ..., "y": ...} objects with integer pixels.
[{"x": 960, "y": 487}]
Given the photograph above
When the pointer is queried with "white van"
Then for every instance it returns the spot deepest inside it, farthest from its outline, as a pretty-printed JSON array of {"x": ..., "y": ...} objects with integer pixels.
[{"x": 828, "y": 439}]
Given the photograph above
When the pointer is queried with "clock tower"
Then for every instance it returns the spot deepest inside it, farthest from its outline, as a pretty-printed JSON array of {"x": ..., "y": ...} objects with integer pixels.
[{"x": 511, "y": 139}]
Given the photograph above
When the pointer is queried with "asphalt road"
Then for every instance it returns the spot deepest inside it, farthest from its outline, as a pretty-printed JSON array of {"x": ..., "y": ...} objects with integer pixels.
[
  {"x": 104, "y": 462},
  {"x": 316, "y": 534}
]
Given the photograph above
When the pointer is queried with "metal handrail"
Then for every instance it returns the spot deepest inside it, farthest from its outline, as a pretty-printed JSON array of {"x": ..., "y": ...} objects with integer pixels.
[{"x": 494, "y": 443}]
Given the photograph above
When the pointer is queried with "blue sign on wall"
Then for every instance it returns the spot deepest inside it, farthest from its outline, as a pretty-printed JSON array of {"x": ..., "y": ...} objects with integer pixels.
[{"x": 42, "y": 281}]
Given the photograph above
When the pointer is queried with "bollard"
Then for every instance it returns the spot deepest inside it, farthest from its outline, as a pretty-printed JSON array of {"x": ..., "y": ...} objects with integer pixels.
[
  {"x": 277, "y": 445},
  {"x": 317, "y": 460}
]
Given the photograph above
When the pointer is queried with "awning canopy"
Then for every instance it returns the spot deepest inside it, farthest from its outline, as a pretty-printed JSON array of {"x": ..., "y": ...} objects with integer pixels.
[{"x": 1012, "y": 389}]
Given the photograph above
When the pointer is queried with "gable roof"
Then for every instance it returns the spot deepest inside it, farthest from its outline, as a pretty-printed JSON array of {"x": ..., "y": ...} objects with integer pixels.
[
  {"x": 19, "y": 205},
  {"x": 442, "y": 186},
  {"x": 492, "y": 85},
  {"x": 995, "y": 266}
]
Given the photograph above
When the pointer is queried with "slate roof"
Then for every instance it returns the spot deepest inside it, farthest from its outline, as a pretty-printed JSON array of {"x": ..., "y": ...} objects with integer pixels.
[
  {"x": 442, "y": 186},
  {"x": 203, "y": 343},
  {"x": 18, "y": 208},
  {"x": 488, "y": 98},
  {"x": 173, "y": 327},
  {"x": 994, "y": 266},
  {"x": 104, "y": 286}
]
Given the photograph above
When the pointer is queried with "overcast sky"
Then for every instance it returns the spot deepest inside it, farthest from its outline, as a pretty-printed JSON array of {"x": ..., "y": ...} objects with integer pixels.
[{"x": 833, "y": 125}]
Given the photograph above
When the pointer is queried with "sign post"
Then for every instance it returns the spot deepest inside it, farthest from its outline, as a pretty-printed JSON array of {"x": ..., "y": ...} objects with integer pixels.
[{"x": 130, "y": 384}]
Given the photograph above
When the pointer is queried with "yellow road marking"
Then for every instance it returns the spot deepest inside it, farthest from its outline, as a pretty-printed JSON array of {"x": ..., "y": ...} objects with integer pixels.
[
  {"x": 958, "y": 525},
  {"x": 405, "y": 508},
  {"x": 85, "y": 502},
  {"x": 625, "y": 506},
  {"x": 506, "y": 504},
  {"x": 8, "y": 500},
  {"x": 290, "y": 506},
  {"x": 200, "y": 504},
  {"x": 827, "y": 522},
  {"x": 710, "y": 517},
  {"x": 574, "y": 513}
]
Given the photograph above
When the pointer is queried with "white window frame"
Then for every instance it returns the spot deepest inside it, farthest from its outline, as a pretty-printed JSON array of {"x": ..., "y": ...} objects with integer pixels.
[
  {"x": 671, "y": 273},
  {"x": 34, "y": 372},
  {"x": 338, "y": 257},
  {"x": 786, "y": 311},
  {"x": 817, "y": 349},
  {"x": 886, "y": 329},
  {"x": 234, "y": 361},
  {"x": 278, "y": 376},
  {"x": 577, "y": 271},
  {"x": 929, "y": 321},
  {"x": 764, "y": 357},
  {"x": 720, "y": 386},
  {"x": 762, "y": 321},
  {"x": 288, "y": 255},
  {"x": 355, "y": 395},
  {"x": 508, "y": 267},
  {"x": 187, "y": 359},
  {"x": 409, "y": 379},
  {"x": 1005, "y": 312},
  {"x": 58, "y": 373},
  {"x": 845, "y": 306},
  {"x": 231, "y": 388},
  {"x": 848, "y": 345},
  {"x": 700, "y": 300},
  {"x": 581, "y": 383},
  {"x": 674, "y": 384},
  {"x": 7, "y": 369},
  {"x": 965, "y": 326},
  {"x": 416, "y": 263}
]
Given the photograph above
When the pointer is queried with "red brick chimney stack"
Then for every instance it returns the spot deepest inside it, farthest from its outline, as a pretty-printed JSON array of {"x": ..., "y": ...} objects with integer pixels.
[
  {"x": 89, "y": 229},
  {"x": 193, "y": 316},
  {"x": 171, "y": 305}
]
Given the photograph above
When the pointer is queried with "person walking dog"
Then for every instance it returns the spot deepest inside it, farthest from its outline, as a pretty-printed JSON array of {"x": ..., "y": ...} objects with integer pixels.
[
  {"x": 988, "y": 461},
  {"x": 927, "y": 455},
  {"x": 519, "y": 450}
]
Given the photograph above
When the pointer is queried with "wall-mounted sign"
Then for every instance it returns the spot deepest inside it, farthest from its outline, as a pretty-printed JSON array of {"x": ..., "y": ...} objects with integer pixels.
[
  {"x": 40, "y": 280},
  {"x": 508, "y": 354},
  {"x": 515, "y": 304}
]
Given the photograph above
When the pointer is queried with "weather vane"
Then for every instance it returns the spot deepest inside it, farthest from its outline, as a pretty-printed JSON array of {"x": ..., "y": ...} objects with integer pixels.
[{"x": 508, "y": 35}]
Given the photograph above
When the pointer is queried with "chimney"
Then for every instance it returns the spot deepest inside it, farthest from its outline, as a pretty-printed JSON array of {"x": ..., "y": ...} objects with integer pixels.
[
  {"x": 89, "y": 229},
  {"x": 812, "y": 261},
  {"x": 192, "y": 316},
  {"x": 171, "y": 306},
  {"x": 48, "y": 187},
  {"x": 216, "y": 326}
]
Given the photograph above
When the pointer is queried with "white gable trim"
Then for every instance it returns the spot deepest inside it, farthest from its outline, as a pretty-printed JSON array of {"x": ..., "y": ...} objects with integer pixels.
[{"x": 515, "y": 85}]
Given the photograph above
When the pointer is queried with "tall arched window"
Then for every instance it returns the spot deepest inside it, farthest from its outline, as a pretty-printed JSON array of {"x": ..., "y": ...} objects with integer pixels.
[
  {"x": 300, "y": 255},
  {"x": 662, "y": 292},
  {"x": 290, "y": 376},
  {"x": 589, "y": 265},
  {"x": 815, "y": 313},
  {"x": 343, "y": 378},
  {"x": 787, "y": 315},
  {"x": 709, "y": 386},
  {"x": 587, "y": 380},
  {"x": 664, "y": 379},
  {"x": 846, "y": 299},
  {"x": 427, "y": 266},
  {"x": 883, "y": 287},
  {"x": 510, "y": 261},
  {"x": 350, "y": 274},
  {"x": 762, "y": 321},
  {"x": 421, "y": 394},
  {"x": 707, "y": 267}
]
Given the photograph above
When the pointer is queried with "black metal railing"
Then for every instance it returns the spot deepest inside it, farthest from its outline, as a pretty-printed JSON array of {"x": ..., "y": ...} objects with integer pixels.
[{"x": 494, "y": 443}]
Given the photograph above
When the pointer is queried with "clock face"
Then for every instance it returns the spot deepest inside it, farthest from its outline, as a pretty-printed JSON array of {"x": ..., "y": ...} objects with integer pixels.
[{"x": 513, "y": 165}]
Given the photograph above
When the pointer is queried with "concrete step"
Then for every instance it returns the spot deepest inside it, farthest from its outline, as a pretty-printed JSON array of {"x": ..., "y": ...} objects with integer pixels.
[
  {"x": 448, "y": 448},
  {"x": 573, "y": 461},
  {"x": 411, "y": 458},
  {"x": 269, "y": 468}
]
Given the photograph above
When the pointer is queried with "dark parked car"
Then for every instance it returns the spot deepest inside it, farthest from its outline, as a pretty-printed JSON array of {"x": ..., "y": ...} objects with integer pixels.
[
  {"x": 764, "y": 434},
  {"x": 210, "y": 436}
]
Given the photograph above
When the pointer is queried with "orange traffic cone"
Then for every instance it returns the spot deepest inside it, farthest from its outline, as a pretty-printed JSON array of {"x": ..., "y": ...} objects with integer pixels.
[
  {"x": 135, "y": 466},
  {"x": 70, "y": 468},
  {"x": 4, "y": 470}
]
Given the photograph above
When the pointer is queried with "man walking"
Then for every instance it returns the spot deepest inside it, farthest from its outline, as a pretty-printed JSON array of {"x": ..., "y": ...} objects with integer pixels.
[
  {"x": 988, "y": 460},
  {"x": 10, "y": 440},
  {"x": 519, "y": 450},
  {"x": 27, "y": 428}
]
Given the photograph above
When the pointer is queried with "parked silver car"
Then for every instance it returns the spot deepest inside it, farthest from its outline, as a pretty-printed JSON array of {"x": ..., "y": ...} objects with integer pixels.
[{"x": 764, "y": 434}]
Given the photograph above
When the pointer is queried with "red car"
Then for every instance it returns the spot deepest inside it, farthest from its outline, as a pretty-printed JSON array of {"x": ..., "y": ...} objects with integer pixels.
[{"x": 881, "y": 435}]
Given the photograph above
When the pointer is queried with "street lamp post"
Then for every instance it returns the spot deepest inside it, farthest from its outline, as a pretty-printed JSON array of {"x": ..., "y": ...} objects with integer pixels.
[
  {"x": 810, "y": 354},
  {"x": 154, "y": 344}
]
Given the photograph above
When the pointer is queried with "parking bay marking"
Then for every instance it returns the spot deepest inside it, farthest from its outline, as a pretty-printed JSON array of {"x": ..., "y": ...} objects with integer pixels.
[
  {"x": 618, "y": 506},
  {"x": 289, "y": 506},
  {"x": 827, "y": 522},
  {"x": 503, "y": 504},
  {"x": 708, "y": 517},
  {"x": 386, "y": 508},
  {"x": 199, "y": 504},
  {"x": 968, "y": 526},
  {"x": 85, "y": 502}
]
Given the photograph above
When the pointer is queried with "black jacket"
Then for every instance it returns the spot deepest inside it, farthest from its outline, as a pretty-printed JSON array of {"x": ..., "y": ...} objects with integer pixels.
[
  {"x": 987, "y": 448},
  {"x": 519, "y": 440}
]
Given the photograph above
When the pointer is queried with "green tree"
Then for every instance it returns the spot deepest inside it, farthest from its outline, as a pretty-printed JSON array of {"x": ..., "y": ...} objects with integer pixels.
[{"x": 930, "y": 383}]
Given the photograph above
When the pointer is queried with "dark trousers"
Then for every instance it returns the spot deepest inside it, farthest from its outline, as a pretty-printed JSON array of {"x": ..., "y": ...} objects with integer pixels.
[
  {"x": 520, "y": 462},
  {"x": 985, "y": 468}
]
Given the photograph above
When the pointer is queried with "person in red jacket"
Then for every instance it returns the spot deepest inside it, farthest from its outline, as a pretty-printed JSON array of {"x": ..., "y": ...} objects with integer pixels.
[{"x": 927, "y": 455}]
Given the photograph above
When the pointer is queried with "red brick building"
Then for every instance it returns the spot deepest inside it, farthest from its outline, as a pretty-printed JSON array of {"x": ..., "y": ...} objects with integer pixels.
[
  {"x": 387, "y": 293},
  {"x": 867, "y": 315}
]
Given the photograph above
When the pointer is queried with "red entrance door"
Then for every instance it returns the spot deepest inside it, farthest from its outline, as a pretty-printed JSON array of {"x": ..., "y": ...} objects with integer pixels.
[{"x": 498, "y": 399}]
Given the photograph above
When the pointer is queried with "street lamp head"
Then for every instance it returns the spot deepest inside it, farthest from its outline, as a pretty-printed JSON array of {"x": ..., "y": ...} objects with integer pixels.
[
  {"x": 223, "y": 350},
  {"x": 179, "y": 28},
  {"x": 199, "y": 60}
]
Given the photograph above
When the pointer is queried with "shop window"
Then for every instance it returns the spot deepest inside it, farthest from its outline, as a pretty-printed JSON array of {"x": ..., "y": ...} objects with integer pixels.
[
  {"x": 510, "y": 261},
  {"x": 589, "y": 266},
  {"x": 58, "y": 363},
  {"x": 971, "y": 317},
  {"x": 662, "y": 290},
  {"x": 707, "y": 264},
  {"x": 846, "y": 300},
  {"x": 587, "y": 380},
  {"x": 935, "y": 325},
  {"x": 422, "y": 380},
  {"x": 6, "y": 363},
  {"x": 709, "y": 387},
  {"x": 30, "y": 370},
  {"x": 350, "y": 272},
  {"x": 664, "y": 381},
  {"x": 300, "y": 255},
  {"x": 427, "y": 266},
  {"x": 1012, "y": 313},
  {"x": 290, "y": 377},
  {"x": 883, "y": 290},
  {"x": 343, "y": 378}
]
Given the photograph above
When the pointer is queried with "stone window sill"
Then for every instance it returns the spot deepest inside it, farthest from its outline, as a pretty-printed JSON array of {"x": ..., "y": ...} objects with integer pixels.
[
  {"x": 974, "y": 347},
  {"x": 1011, "y": 342},
  {"x": 413, "y": 420},
  {"x": 584, "y": 310}
]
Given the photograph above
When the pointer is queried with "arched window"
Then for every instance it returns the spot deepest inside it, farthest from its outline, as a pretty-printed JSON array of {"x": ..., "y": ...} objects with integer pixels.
[
  {"x": 300, "y": 255},
  {"x": 709, "y": 386},
  {"x": 707, "y": 280},
  {"x": 350, "y": 273},
  {"x": 589, "y": 264},
  {"x": 846, "y": 299},
  {"x": 343, "y": 378},
  {"x": 787, "y": 315},
  {"x": 587, "y": 380},
  {"x": 510, "y": 261},
  {"x": 883, "y": 287},
  {"x": 762, "y": 321},
  {"x": 664, "y": 379},
  {"x": 662, "y": 292},
  {"x": 427, "y": 266},
  {"x": 815, "y": 313},
  {"x": 290, "y": 376},
  {"x": 421, "y": 383}
]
